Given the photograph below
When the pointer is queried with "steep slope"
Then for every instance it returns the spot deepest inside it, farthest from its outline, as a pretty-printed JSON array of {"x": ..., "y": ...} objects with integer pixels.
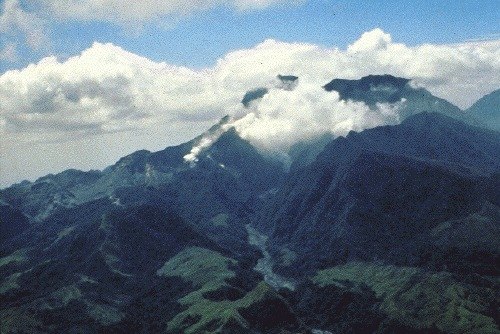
[
  {"x": 82, "y": 251},
  {"x": 38, "y": 199},
  {"x": 389, "y": 230},
  {"x": 393, "y": 230},
  {"x": 131, "y": 269},
  {"x": 92, "y": 267},
  {"x": 414, "y": 300},
  {"x": 212, "y": 195},
  {"x": 12, "y": 222},
  {"x": 487, "y": 110},
  {"x": 375, "y": 89},
  {"x": 375, "y": 195}
]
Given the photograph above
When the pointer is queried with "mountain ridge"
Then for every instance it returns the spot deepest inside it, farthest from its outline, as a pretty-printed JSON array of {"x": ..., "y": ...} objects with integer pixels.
[
  {"x": 387, "y": 230},
  {"x": 487, "y": 109}
]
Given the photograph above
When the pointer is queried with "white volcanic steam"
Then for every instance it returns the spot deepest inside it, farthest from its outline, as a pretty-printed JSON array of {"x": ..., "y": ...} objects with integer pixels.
[
  {"x": 292, "y": 112},
  {"x": 284, "y": 117},
  {"x": 109, "y": 102},
  {"x": 205, "y": 142}
]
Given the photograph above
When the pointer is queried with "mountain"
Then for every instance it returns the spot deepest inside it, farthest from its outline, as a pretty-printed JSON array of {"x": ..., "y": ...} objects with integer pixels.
[
  {"x": 389, "y": 230},
  {"x": 130, "y": 269},
  {"x": 212, "y": 195},
  {"x": 394, "y": 216},
  {"x": 13, "y": 222},
  {"x": 487, "y": 110},
  {"x": 95, "y": 242},
  {"x": 373, "y": 195},
  {"x": 374, "y": 89},
  {"x": 371, "y": 89}
]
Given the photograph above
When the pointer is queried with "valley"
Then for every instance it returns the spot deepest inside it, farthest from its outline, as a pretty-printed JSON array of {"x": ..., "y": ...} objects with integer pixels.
[{"x": 389, "y": 229}]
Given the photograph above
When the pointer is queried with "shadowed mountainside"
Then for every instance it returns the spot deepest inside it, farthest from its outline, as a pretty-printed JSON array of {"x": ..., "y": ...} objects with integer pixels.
[{"x": 390, "y": 230}]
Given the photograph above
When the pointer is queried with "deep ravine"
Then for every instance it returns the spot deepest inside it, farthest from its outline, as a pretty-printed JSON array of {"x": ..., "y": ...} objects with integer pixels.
[{"x": 265, "y": 264}]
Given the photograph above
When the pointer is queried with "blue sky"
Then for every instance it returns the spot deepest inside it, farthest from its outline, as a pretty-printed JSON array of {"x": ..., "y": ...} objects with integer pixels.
[{"x": 200, "y": 38}]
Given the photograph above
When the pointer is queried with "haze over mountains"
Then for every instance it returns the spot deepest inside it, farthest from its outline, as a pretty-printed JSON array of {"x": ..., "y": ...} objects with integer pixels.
[
  {"x": 376, "y": 211},
  {"x": 88, "y": 110}
]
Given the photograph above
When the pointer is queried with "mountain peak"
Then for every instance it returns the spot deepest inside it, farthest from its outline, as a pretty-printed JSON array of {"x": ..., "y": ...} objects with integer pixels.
[
  {"x": 286, "y": 82},
  {"x": 371, "y": 89},
  {"x": 253, "y": 95},
  {"x": 367, "y": 82},
  {"x": 487, "y": 110},
  {"x": 430, "y": 117}
]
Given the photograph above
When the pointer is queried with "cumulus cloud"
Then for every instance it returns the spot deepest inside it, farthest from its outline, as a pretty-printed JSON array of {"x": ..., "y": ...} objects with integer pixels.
[
  {"x": 284, "y": 117},
  {"x": 107, "y": 90},
  {"x": 376, "y": 39},
  {"x": 17, "y": 23},
  {"x": 147, "y": 10}
]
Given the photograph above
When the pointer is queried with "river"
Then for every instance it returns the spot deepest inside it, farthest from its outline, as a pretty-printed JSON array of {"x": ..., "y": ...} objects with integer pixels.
[{"x": 265, "y": 264}]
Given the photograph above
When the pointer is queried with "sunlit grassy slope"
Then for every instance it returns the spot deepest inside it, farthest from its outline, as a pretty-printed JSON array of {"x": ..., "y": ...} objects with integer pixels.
[{"x": 419, "y": 299}]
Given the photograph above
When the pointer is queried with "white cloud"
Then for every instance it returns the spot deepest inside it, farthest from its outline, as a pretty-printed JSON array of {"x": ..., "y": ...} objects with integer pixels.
[
  {"x": 284, "y": 117},
  {"x": 205, "y": 142},
  {"x": 15, "y": 21},
  {"x": 121, "y": 12},
  {"x": 9, "y": 52},
  {"x": 106, "y": 90},
  {"x": 260, "y": 4},
  {"x": 373, "y": 40}
]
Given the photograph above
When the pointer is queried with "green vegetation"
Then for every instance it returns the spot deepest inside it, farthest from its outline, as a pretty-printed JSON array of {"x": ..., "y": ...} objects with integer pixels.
[
  {"x": 18, "y": 320},
  {"x": 207, "y": 271},
  {"x": 202, "y": 267},
  {"x": 104, "y": 314},
  {"x": 220, "y": 220},
  {"x": 87, "y": 279},
  {"x": 67, "y": 294},
  {"x": 105, "y": 249},
  {"x": 64, "y": 233},
  {"x": 287, "y": 256},
  {"x": 59, "y": 298},
  {"x": 10, "y": 283},
  {"x": 17, "y": 256},
  {"x": 417, "y": 298},
  {"x": 383, "y": 280}
]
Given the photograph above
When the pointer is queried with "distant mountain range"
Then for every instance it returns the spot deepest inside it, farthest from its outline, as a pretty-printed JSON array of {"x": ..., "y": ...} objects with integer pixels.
[
  {"x": 486, "y": 109},
  {"x": 389, "y": 230}
]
